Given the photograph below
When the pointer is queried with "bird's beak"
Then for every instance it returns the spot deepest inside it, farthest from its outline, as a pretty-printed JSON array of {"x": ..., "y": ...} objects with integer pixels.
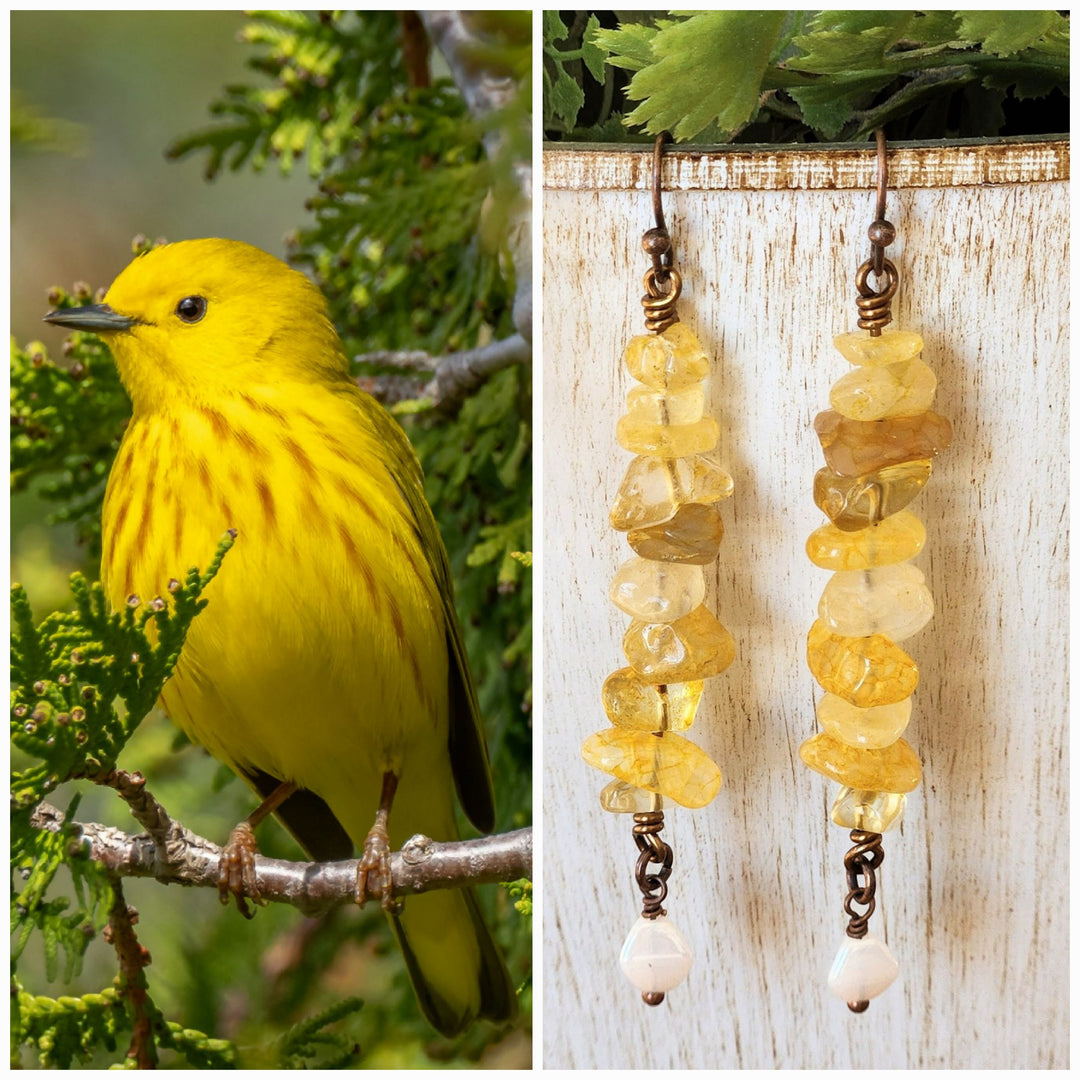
[{"x": 97, "y": 318}]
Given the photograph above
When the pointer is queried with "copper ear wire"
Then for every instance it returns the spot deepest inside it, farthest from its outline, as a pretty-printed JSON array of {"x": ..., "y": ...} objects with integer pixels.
[
  {"x": 663, "y": 283},
  {"x": 875, "y": 305}
]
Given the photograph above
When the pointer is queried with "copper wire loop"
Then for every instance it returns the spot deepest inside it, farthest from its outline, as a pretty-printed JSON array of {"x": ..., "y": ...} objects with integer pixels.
[
  {"x": 875, "y": 307},
  {"x": 653, "y": 886},
  {"x": 659, "y": 305}
]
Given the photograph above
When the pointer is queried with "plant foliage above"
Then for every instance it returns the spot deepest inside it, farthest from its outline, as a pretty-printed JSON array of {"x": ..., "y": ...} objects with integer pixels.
[{"x": 782, "y": 76}]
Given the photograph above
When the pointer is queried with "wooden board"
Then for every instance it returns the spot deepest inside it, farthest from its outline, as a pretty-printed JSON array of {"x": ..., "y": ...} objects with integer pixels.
[{"x": 973, "y": 897}]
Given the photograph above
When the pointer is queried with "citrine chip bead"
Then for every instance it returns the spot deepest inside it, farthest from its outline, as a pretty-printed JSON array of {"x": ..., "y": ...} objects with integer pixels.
[
  {"x": 653, "y": 489},
  {"x": 692, "y": 536},
  {"x": 890, "y": 600},
  {"x": 857, "y": 447},
  {"x": 893, "y": 390},
  {"x": 664, "y": 440},
  {"x": 693, "y": 647},
  {"x": 873, "y": 811},
  {"x": 892, "y": 347},
  {"x": 853, "y": 503},
  {"x": 865, "y": 671},
  {"x": 631, "y": 703},
  {"x": 894, "y": 539},
  {"x": 667, "y": 764},
  {"x": 649, "y": 406},
  {"x": 867, "y": 729},
  {"x": 619, "y": 797},
  {"x": 895, "y": 769},
  {"x": 657, "y": 591},
  {"x": 670, "y": 360}
]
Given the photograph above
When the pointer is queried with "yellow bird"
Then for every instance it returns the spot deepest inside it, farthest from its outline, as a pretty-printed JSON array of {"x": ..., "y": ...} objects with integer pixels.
[{"x": 328, "y": 669}]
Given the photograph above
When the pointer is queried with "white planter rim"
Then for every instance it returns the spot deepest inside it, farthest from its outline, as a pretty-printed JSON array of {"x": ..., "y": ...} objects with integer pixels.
[{"x": 953, "y": 163}]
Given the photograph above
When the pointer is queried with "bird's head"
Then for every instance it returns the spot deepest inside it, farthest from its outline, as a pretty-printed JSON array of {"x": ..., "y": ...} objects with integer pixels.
[{"x": 199, "y": 318}]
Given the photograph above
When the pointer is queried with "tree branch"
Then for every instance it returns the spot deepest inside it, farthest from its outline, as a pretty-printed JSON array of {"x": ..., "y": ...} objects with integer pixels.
[
  {"x": 179, "y": 856},
  {"x": 456, "y": 375}
]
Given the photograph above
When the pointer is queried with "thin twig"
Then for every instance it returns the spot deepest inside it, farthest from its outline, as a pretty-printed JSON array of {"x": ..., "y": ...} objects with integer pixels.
[{"x": 134, "y": 958}]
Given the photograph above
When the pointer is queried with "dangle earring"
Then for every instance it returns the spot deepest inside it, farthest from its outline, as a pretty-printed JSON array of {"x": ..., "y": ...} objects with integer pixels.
[
  {"x": 666, "y": 505},
  {"x": 879, "y": 440}
]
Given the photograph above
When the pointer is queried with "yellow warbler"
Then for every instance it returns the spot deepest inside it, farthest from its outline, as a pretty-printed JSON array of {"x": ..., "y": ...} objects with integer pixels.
[{"x": 329, "y": 657}]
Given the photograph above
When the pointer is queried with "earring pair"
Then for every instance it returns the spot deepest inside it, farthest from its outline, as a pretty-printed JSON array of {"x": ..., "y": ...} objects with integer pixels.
[{"x": 879, "y": 439}]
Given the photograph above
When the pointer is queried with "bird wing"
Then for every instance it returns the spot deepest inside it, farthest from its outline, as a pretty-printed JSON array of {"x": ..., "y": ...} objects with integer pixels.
[{"x": 468, "y": 751}]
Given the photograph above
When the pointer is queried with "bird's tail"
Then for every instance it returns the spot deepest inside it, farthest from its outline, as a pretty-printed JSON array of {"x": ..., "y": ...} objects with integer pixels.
[{"x": 456, "y": 969}]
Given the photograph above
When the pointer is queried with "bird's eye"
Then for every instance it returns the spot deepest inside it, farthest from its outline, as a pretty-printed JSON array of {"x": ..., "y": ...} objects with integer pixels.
[{"x": 192, "y": 308}]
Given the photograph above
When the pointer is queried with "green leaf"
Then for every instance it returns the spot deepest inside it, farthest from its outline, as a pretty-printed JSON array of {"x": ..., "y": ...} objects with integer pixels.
[
  {"x": 592, "y": 54},
  {"x": 859, "y": 22},
  {"x": 554, "y": 28},
  {"x": 566, "y": 98},
  {"x": 1003, "y": 33},
  {"x": 707, "y": 68},
  {"x": 629, "y": 47},
  {"x": 1026, "y": 80},
  {"x": 829, "y": 104},
  {"x": 830, "y": 52}
]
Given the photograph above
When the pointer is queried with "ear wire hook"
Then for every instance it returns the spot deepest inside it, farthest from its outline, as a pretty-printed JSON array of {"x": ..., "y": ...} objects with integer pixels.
[
  {"x": 663, "y": 284},
  {"x": 875, "y": 307},
  {"x": 882, "y": 232}
]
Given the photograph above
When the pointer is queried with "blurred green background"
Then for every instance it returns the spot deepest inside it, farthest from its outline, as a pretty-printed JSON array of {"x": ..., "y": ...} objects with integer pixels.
[{"x": 121, "y": 86}]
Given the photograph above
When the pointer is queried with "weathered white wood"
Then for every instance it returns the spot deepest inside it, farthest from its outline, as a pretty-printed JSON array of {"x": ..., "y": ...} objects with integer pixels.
[{"x": 973, "y": 892}]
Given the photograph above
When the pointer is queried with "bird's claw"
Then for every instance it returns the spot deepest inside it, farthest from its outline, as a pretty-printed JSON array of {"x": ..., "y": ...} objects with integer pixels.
[
  {"x": 236, "y": 870},
  {"x": 373, "y": 875}
]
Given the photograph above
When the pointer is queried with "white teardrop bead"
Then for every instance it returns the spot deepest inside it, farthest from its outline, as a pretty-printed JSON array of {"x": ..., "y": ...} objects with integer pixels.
[
  {"x": 863, "y": 968},
  {"x": 655, "y": 956}
]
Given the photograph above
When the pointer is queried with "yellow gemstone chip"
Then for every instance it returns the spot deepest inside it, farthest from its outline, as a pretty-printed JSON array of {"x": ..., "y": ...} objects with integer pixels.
[
  {"x": 666, "y": 764},
  {"x": 892, "y": 347},
  {"x": 865, "y": 671},
  {"x": 693, "y": 647},
  {"x": 895, "y": 539},
  {"x": 895, "y": 769},
  {"x": 631, "y": 703}
]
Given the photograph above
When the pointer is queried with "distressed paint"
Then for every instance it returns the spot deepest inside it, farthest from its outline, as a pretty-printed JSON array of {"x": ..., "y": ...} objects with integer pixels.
[{"x": 971, "y": 893}]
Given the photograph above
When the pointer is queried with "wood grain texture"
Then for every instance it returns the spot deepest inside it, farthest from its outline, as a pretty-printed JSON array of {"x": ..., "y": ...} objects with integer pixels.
[{"x": 971, "y": 890}]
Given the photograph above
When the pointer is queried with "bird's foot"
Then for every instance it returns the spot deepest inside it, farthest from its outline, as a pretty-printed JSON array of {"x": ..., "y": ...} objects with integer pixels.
[
  {"x": 236, "y": 870},
  {"x": 373, "y": 871}
]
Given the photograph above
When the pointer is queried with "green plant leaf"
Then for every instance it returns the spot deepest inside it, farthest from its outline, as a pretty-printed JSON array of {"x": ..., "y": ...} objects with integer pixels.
[
  {"x": 554, "y": 28},
  {"x": 828, "y": 52},
  {"x": 829, "y": 104},
  {"x": 592, "y": 55},
  {"x": 1004, "y": 33},
  {"x": 566, "y": 98},
  {"x": 706, "y": 68},
  {"x": 629, "y": 47}
]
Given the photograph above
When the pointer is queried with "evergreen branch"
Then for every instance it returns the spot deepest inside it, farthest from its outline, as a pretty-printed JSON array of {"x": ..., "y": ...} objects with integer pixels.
[
  {"x": 184, "y": 858},
  {"x": 454, "y": 377}
]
